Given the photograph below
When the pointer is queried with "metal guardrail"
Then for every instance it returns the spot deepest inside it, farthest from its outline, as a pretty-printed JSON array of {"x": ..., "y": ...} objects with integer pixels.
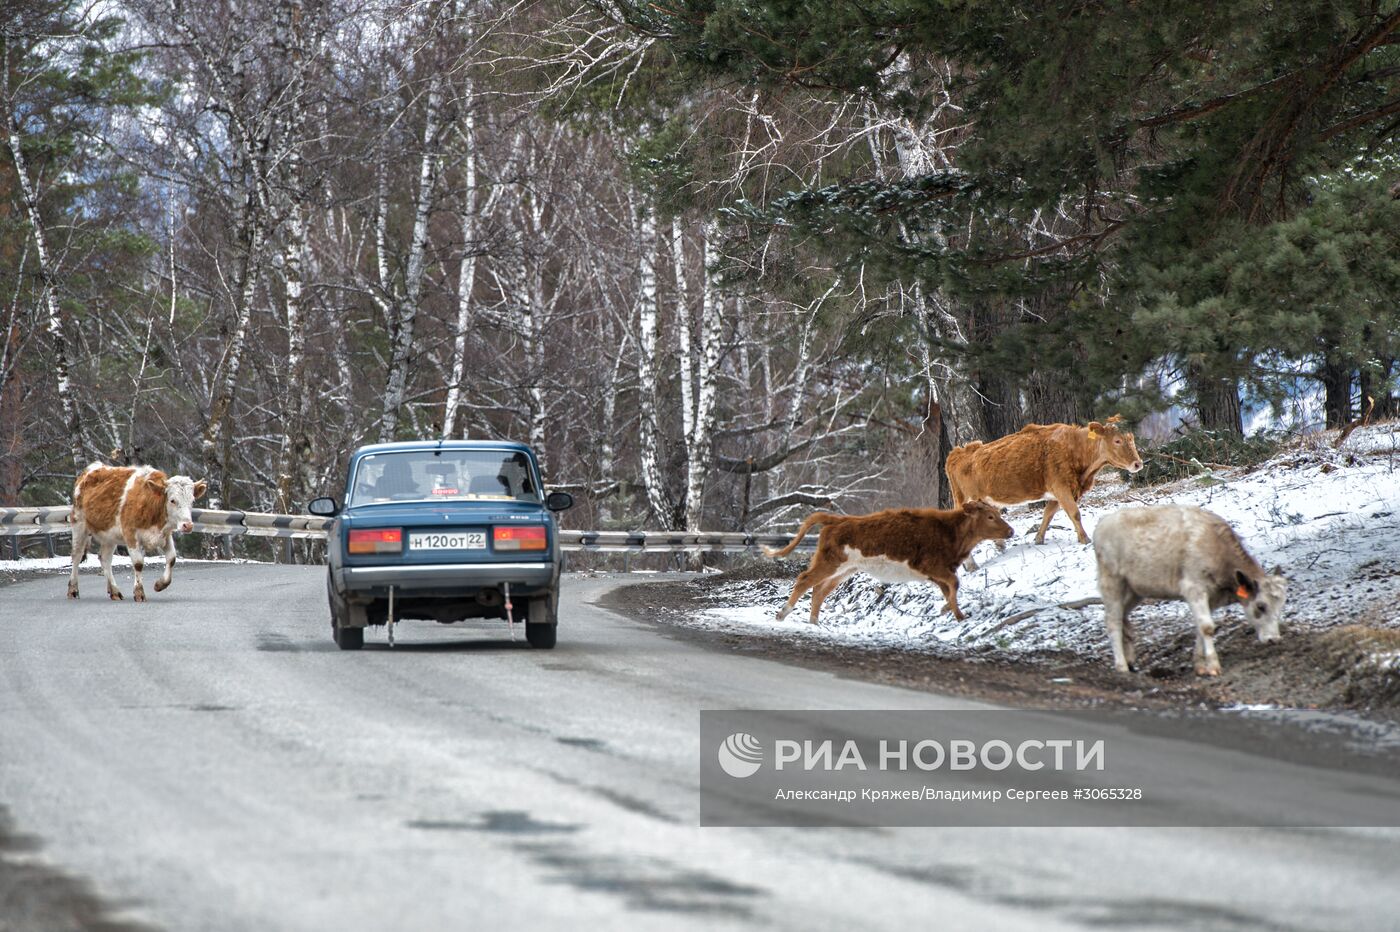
[
  {"x": 16, "y": 522},
  {"x": 23, "y": 521},
  {"x": 674, "y": 541}
]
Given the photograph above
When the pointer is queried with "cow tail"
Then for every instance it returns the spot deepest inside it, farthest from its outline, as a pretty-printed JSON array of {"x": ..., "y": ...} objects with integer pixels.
[{"x": 820, "y": 517}]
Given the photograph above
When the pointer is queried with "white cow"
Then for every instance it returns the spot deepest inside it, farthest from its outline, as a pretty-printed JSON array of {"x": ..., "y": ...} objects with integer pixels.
[{"x": 1181, "y": 552}]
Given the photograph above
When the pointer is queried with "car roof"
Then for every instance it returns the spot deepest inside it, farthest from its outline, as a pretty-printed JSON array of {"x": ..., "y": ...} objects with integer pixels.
[{"x": 408, "y": 446}]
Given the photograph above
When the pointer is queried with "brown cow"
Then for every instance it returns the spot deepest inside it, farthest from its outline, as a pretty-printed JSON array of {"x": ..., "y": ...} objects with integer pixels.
[
  {"x": 1058, "y": 461},
  {"x": 898, "y": 545},
  {"x": 137, "y": 507}
]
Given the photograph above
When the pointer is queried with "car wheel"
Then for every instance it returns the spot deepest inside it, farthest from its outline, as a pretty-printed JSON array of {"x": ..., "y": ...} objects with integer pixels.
[
  {"x": 349, "y": 638},
  {"x": 541, "y": 636},
  {"x": 342, "y": 614},
  {"x": 542, "y": 626}
]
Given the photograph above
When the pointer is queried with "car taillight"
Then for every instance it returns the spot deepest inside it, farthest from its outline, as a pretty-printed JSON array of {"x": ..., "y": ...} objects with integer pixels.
[
  {"x": 515, "y": 537},
  {"x": 379, "y": 540}
]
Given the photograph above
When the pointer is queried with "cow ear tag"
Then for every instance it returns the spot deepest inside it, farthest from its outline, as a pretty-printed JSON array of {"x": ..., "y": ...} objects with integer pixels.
[{"x": 1242, "y": 592}]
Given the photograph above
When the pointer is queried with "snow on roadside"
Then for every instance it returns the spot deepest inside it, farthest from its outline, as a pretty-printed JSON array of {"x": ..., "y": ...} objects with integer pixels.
[
  {"x": 91, "y": 562},
  {"x": 1330, "y": 518}
]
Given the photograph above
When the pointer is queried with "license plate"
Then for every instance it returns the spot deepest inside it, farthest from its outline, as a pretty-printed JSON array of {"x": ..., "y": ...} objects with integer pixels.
[{"x": 448, "y": 540}]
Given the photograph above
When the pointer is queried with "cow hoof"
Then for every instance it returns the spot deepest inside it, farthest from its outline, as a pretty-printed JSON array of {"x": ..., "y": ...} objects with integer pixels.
[
  {"x": 1133, "y": 668},
  {"x": 1203, "y": 670},
  {"x": 114, "y": 595},
  {"x": 72, "y": 593},
  {"x": 139, "y": 595},
  {"x": 162, "y": 585}
]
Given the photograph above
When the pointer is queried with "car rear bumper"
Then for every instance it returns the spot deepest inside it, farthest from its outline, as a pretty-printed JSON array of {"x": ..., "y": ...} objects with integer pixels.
[{"x": 447, "y": 576}]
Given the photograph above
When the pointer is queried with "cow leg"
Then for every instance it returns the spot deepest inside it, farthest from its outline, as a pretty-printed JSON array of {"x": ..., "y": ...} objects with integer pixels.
[
  {"x": 948, "y": 583},
  {"x": 164, "y": 582},
  {"x": 822, "y": 590},
  {"x": 1115, "y": 615},
  {"x": 1207, "y": 662},
  {"x": 1130, "y": 634},
  {"x": 80, "y": 545},
  {"x": 1066, "y": 500},
  {"x": 104, "y": 554},
  {"x": 1051, "y": 507},
  {"x": 138, "y": 563},
  {"x": 809, "y": 578}
]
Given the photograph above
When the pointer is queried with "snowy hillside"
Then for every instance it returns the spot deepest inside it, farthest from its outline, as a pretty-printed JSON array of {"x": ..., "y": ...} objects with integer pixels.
[{"x": 1330, "y": 518}]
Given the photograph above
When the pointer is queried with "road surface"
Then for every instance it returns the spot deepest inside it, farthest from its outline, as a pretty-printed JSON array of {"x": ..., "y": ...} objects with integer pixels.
[{"x": 209, "y": 760}]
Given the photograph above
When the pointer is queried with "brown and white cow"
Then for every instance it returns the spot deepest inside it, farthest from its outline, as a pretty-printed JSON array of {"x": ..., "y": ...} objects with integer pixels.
[
  {"x": 1054, "y": 461},
  {"x": 1181, "y": 552},
  {"x": 136, "y": 507},
  {"x": 898, "y": 545}
]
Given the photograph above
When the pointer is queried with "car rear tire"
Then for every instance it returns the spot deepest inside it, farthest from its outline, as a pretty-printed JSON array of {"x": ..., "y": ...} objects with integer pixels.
[
  {"x": 542, "y": 625},
  {"x": 349, "y": 638},
  {"x": 342, "y": 613},
  {"x": 541, "y": 636}
]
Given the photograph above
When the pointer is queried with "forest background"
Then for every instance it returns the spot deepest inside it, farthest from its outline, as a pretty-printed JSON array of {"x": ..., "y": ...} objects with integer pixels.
[{"x": 719, "y": 261}]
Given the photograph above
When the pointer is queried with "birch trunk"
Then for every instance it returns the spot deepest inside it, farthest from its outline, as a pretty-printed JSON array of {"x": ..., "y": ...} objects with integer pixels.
[
  {"x": 57, "y": 337},
  {"x": 405, "y": 318},
  {"x": 687, "y": 364},
  {"x": 454, "y": 417},
  {"x": 700, "y": 443},
  {"x": 650, "y": 440},
  {"x": 534, "y": 356},
  {"x": 607, "y": 451},
  {"x": 214, "y": 444},
  {"x": 296, "y": 455}
]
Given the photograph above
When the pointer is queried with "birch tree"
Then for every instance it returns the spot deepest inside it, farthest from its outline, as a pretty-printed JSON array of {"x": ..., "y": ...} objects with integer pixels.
[
  {"x": 700, "y": 439},
  {"x": 405, "y": 307},
  {"x": 44, "y": 262},
  {"x": 649, "y": 450},
  {"x": 296, "y": 454}
]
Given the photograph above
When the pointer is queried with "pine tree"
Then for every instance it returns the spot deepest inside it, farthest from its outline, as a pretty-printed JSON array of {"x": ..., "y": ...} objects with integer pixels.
[
  {"x": 1154, "y": 136},
  {"x": 70, "y": 248}
]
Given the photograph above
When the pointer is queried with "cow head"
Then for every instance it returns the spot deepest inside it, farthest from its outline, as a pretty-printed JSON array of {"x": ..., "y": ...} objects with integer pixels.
[
  {"x": 1116, "y": 446},
  {"x": 179, "y": 493},
  {"x": 986, "y": 522},
  {"x": 1262, "y": 601}
]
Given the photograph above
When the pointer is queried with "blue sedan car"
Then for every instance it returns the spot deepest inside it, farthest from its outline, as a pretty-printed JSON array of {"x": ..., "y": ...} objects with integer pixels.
[{"x": 443, "y": 530}]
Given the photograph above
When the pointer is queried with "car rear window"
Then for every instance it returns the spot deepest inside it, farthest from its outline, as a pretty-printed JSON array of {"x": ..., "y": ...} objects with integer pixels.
[{"x": 444, "y": 475}]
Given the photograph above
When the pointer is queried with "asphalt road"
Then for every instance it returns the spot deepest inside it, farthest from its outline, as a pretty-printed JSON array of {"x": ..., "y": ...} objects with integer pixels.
[{"x": 209, "y": 760}]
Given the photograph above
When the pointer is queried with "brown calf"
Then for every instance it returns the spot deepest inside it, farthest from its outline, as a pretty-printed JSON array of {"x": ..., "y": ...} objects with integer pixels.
[
  {"x": 138, "y": 508},
  {"x": 1058, "y": 461},
  {"x": 898, "y": 545}
]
